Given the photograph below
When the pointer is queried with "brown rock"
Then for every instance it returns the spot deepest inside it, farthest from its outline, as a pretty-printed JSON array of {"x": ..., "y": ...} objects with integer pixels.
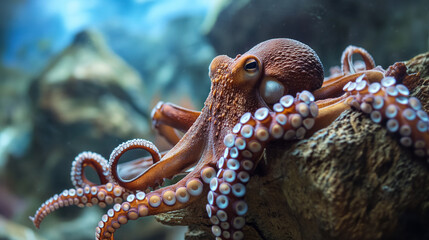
[
  {"x": 420, "y": 64},
  {"x": 351, "y": 180}
]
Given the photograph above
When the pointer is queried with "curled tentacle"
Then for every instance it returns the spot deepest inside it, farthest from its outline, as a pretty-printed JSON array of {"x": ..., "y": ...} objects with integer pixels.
[
  {"x": 347, "y": 65},
  {"x": 388, "y": 102},
  {"x": 291, "y": 118},
  {"x": 180, "y": 158},
  {"x": 120, "y": 150},
  {"x": 162, "y": 200},
  {"x": 332, "y": 86},
  {"x": 167, "y": 117},
  {"x": 93, "y": 160},
  {"x": 102, "y": 195},
  {"x": 134, "y": 168}
]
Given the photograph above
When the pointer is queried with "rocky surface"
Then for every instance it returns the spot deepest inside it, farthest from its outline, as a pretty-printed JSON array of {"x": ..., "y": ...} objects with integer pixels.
[
  {"x": 351, "y": 180},
  {"x": 420, "y": 64}
]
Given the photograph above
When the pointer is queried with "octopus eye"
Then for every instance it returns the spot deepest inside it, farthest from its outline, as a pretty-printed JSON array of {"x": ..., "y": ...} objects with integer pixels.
[{"x": 251, "y": 66}]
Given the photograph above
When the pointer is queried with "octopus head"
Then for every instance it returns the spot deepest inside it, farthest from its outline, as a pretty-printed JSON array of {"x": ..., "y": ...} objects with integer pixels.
[{"x": 275, "y": 68}]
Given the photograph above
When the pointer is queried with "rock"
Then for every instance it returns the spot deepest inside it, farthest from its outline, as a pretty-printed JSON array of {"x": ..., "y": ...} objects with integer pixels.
[
  {"x": 419, "y": 64},
  {"x": 11, "y": 230},
  {"x": 87, "y": 99},
  {"x": 15, "y": 126},
  {"x": 85, "y": 94},
  {"x": 350, "y": 180},
  {"x": 89, "y": 83}
]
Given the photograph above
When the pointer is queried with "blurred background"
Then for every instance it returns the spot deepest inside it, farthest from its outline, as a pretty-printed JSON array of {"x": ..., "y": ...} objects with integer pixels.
[{"x": 84, "y": 75}]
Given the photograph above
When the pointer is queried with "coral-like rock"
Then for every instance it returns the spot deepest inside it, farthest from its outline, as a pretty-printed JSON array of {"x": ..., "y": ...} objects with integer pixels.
[{"x": 350, "y": 180}]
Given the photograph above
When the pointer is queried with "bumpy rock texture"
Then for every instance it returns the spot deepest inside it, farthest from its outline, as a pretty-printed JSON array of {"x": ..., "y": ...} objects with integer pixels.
[{"x": 351, "y": 180}]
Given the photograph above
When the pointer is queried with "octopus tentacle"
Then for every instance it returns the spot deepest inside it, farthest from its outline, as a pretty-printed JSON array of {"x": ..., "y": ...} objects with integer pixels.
[
  {"x": 166, "y": 117},
  {"x": 389, "y": 102},
  {"x": 88, "y": 196},
  {"x": 93, "y": 160},
  {"x": 291, "y": 118},
  {"x": 181, "y": 157},
  {"x": 169, "y": 134},
  {"x": 333, "y": 88},
  {"x": 329, "y": 110},
  {"x": 120, "y": 150},
  {"x": 161, "y": 200},
  {"x": 133, "y": 168},
  {"x": 347, "y": 66}
]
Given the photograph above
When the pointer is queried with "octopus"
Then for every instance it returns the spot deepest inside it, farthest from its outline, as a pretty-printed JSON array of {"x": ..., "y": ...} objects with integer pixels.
[{"x": 276, "y": 90}]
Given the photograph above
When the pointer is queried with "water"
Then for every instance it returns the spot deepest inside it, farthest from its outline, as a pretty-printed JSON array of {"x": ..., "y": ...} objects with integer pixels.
[{"x": 84, "y": 75}]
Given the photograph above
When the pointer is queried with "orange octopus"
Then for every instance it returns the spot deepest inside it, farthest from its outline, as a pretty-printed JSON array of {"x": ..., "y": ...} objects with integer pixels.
[{"x": 276, "y": 90}]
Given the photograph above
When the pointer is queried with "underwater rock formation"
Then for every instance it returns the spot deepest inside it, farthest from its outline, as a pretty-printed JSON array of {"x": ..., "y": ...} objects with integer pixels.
[
  {"x": 88, "y": 90},
  {"x": 334, "y": 185},
  {"x": 85, "y": 94},
  {"x": 14, "y": 118},
  {"x": 88, "y": 82},
  {"x": 12, "y": 230}
]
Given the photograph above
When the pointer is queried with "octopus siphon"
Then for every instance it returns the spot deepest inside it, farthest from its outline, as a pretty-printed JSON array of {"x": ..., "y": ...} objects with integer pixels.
[{"x": 276, "y": 90}]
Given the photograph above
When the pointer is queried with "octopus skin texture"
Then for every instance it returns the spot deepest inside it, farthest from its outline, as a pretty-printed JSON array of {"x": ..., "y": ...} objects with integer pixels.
[{"x": 276, "y": 90}]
